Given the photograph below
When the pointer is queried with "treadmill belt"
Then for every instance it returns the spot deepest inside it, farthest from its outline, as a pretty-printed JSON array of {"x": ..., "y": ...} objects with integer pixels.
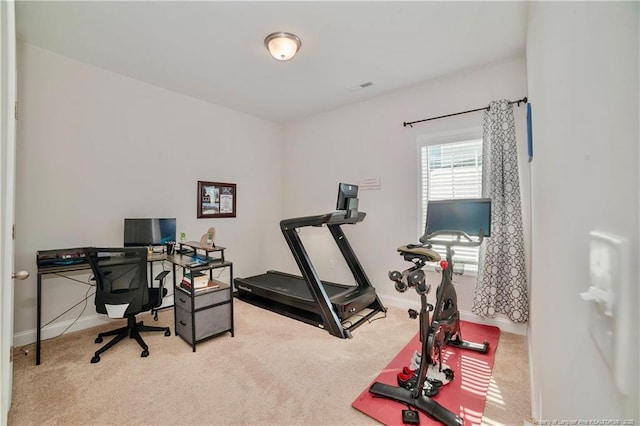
[
  {"x": 293, "y": 286},
  {"x": 290, "y": 295}
]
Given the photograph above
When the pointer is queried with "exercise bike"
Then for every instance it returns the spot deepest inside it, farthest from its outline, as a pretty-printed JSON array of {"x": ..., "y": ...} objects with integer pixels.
[
  {"x": 439, "y": 323},
  {"x": 445, "y": 322}
]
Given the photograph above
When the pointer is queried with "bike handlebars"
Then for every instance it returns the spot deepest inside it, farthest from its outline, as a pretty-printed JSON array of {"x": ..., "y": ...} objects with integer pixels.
[{"x": 470, "y": 242}]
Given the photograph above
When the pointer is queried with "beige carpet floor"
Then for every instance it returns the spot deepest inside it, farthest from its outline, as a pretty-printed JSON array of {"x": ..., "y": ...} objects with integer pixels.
[{"x": 275, "y": 371}]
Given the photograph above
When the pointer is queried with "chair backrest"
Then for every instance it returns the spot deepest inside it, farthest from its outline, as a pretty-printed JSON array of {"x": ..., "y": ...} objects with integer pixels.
[{"x": 121, "y": 280}]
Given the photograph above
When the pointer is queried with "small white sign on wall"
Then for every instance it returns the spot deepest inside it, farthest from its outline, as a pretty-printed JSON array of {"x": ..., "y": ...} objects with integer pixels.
[{"x": 370, "y": 184}]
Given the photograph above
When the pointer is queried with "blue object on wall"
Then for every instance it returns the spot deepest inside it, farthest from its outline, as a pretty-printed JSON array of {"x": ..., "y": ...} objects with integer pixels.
[{"x": 529, "y": 133}]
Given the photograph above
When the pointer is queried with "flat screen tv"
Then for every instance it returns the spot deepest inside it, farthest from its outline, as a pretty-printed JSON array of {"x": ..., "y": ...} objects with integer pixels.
[
  {"x": 139, "y": 232},
  {"x": 347, "y": 197},
  {"x": 470, "y": 215}
]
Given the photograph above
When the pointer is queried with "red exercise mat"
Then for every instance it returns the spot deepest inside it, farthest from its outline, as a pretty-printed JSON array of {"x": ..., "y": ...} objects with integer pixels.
[{"x": 465, "y": 395}]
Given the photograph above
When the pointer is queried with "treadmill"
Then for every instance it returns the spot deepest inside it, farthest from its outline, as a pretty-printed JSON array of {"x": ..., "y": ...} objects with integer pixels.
[{"x": 306, "y": 298}]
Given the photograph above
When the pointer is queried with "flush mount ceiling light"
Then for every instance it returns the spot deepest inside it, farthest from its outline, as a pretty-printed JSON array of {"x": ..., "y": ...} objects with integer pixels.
[{"x": 282, "y": 46}]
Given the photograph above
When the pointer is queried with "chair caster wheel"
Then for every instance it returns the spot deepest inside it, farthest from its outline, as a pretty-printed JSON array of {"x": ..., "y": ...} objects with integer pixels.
[
  {"x": 95, "y": 359},
  {"x": 167, "y": 333},
  {"x": 144, "y": 354},
  {"x": 98, "y": 340}
]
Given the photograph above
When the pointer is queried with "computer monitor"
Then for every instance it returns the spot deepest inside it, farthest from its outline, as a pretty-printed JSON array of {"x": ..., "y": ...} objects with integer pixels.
[
  {"x": 149, "y": 232},
  {"x": 470, "y": 215},
  {"x": 347, "y": 197}
]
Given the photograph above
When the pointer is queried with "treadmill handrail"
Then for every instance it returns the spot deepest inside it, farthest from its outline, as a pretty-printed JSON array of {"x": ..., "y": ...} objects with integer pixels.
[{"x": 334, "y": 218}]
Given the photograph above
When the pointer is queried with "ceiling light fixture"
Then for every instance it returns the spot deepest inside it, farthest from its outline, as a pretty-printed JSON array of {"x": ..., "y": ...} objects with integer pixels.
[{"x": 282, "y": 46}]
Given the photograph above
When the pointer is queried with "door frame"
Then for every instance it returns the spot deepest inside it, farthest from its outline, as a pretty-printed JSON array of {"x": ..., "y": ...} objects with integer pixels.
[{"x": 8, "y": 108}]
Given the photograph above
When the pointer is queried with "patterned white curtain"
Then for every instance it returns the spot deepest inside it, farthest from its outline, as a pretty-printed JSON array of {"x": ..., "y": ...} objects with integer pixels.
[{"x": 501, "y": 286}]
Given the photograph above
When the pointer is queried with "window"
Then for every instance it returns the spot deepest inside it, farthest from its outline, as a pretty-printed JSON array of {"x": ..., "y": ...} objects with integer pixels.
[{"x": 452, "y": 168}]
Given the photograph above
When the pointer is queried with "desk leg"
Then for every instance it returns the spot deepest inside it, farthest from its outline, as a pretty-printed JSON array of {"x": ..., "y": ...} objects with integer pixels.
[
  {"x": 151, "y": 273},
  {"x": 231, "y": 296},
  {"x": 39, "y": 318},
  {"x": 175, "y": 313}
]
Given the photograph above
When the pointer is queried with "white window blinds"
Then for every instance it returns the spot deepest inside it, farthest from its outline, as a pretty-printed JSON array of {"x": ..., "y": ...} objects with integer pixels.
[{"x": 452, "y": 170}]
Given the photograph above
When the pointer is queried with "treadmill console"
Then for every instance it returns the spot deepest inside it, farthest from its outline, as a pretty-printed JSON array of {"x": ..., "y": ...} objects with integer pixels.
[{"x": 348, "y": 199}]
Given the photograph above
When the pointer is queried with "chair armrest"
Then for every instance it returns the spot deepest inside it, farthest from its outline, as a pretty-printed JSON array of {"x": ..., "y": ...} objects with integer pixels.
[
  {"x": 161, "y": 276},
  {"x": 162, "y": 292}
]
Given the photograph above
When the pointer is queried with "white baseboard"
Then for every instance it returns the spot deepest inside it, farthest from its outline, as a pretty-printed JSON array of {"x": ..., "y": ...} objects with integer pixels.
[
  {"x": 54, "y": 330},
  {"x": 503, "y": 323},
  {"x": 87, "y": 321}
]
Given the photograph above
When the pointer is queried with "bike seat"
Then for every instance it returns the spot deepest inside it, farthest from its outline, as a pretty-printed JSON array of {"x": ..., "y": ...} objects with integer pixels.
[{"x": 427, "y": 254}]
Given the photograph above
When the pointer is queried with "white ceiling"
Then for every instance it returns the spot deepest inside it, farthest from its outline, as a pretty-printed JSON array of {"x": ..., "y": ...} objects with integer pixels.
[{"x": 214, "y": 50}]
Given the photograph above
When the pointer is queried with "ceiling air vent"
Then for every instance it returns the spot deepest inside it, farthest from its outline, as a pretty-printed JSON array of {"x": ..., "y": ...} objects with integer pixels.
[{"x": 360, "y": 86}]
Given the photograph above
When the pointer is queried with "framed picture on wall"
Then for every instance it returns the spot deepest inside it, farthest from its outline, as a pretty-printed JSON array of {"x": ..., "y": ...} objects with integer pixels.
[{"x": 216, "y": 199}]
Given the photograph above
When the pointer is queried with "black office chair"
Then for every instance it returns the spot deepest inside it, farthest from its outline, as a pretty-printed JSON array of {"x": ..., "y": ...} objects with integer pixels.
[{"x": 122, "y": 291}]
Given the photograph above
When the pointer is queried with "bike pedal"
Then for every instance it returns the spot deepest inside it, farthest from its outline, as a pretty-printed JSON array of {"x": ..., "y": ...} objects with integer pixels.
[
  {"x": 448, "y": 373},
  {"x": 435, "y": 382},
  {"x": 429, "y": 390}
]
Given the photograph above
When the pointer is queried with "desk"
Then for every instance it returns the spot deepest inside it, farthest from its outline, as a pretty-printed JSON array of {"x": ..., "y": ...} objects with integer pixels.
[{"x": 56, "y": 262}]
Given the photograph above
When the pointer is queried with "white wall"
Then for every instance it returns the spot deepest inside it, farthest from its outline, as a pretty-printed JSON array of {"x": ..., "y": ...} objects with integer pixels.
[
  {"x": 582, "y": 65},
  {"x": 95, "y": 147},
  {"x": 367, "y": 140}
]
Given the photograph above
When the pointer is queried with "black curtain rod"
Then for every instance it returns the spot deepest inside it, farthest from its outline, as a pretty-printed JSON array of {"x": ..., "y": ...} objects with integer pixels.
[{"x": 410, "y": 124}]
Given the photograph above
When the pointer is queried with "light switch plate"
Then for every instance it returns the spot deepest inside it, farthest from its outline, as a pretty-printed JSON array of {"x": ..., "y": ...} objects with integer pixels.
[{"x": 610, "y": 321}]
